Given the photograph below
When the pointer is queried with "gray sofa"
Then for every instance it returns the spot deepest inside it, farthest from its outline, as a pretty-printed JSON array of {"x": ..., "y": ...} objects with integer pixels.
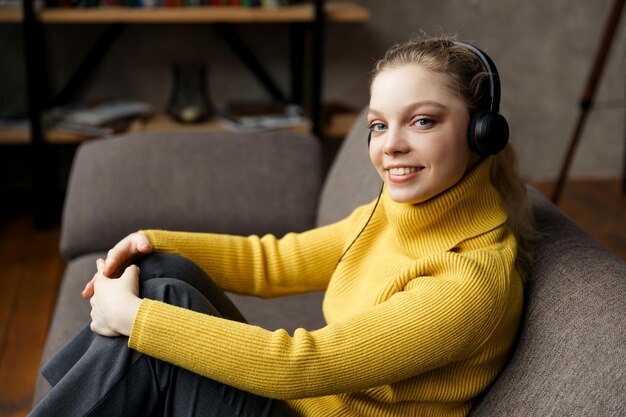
[{"x": 570, "y": 358}]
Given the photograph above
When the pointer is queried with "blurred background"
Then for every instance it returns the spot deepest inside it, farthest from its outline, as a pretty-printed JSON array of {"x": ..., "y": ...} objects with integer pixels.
[{"x": 544, "y": 51}]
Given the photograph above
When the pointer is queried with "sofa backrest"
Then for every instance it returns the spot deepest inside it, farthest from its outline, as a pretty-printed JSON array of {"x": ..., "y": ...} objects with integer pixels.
[
  {"x": 222, "y": 182},
  {"x": 351, "y": 180}
]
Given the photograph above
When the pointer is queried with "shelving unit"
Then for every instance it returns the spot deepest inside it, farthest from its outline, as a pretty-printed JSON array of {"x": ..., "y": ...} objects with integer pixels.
[
  {"x": 216, "y": 15},
  {"x": 311, "y": 16}
]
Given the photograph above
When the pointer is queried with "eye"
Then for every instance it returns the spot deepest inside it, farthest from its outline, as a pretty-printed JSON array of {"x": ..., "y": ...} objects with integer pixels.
[
  {"x": 377, "y": 127},
  {"x": 424, "y": 122}
]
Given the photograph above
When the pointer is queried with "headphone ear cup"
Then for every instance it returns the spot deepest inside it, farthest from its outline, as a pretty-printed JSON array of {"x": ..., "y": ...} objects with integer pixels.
[{"x": 488, "y": 133}]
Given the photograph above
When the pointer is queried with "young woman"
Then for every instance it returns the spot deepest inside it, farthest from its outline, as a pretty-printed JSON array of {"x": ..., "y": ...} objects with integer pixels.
[{"x": 423, "y": 286}]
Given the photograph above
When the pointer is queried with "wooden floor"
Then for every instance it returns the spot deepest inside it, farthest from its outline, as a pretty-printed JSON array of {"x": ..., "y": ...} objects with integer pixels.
[
  {"x": 598, "y": 207},
  {"x": 31, "y": 269},
  {"x": 29, "y": 278}
]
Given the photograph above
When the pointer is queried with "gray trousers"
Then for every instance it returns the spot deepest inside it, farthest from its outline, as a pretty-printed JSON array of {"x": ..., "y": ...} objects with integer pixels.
[{"x": 100, "y": 376}]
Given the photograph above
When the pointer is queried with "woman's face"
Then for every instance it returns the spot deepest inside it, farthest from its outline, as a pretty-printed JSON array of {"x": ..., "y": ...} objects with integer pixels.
[{"x": 419, "y": 133}]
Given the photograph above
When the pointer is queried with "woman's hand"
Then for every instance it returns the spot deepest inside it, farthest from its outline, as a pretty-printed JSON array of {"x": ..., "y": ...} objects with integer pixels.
[
  {"x": 120, "y": 257},
  {"x": 115, "y": 302}
]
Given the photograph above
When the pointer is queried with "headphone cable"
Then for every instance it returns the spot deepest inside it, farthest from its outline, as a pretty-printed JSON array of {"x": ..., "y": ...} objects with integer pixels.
[{"x": 363, "y": 229}]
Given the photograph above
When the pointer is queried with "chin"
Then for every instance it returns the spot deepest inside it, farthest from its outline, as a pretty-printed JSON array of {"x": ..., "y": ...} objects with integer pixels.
[{"x": 407, "y": 198}]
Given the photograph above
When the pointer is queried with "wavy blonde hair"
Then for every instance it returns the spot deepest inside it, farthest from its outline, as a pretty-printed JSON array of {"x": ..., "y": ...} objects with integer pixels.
[{"x": 463, "y": 72}]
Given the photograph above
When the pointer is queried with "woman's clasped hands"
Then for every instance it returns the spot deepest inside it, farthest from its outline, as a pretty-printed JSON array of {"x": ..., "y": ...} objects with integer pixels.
[{"x": 113, "y": 292}]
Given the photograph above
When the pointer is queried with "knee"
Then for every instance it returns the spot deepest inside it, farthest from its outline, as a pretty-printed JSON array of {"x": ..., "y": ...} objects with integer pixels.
[
  {"x": 179, "y": 293},
  {"x": 165, "y": 265}
]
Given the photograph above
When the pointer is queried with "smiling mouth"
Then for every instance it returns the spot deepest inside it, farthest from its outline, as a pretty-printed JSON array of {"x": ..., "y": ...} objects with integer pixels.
[{"x": 404, "y": 170}]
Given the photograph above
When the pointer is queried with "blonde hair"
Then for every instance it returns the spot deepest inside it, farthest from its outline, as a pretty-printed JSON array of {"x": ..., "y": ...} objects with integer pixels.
[{"x": 463, "y": 72}]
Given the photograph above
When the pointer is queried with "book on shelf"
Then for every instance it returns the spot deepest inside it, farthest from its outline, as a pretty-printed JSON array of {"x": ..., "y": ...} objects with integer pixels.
[
  {"x": 104, "y": 113},
  {"x": 253, "y": 118},
  {"x": 251, "y": 124},
  {"x": 101, "y": 119}
]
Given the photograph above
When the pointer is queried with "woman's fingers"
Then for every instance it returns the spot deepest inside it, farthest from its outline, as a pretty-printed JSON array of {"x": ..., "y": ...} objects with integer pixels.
[
  {"x": 88, "y": 290},
  {"x": 122, "y": 254}
]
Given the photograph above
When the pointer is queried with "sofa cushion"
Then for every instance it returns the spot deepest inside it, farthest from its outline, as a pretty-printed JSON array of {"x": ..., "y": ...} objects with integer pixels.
[
  {"x": 288, "y": 313},
  {"x": 571, "y": 354},
  {"x": 221, "y": 182}
]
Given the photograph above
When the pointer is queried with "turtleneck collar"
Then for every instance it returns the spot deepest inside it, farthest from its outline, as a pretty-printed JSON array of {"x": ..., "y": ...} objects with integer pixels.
[{"x": 468, "y": 209}]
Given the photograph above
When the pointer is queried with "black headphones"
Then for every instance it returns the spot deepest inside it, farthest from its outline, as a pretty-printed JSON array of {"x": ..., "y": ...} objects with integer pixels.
[{"x": 488, "y": 130}]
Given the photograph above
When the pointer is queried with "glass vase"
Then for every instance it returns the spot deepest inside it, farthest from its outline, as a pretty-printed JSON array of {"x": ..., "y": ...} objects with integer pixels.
[{"x": 189, "y": 101}]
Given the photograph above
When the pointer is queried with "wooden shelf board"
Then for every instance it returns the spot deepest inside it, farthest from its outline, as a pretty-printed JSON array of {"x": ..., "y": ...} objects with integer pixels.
[
  {"x": 340, "y": 124},
  {"x": 337, "y": 127},
  {"x": 162, "y": 122},
  {"x": 11, "y": 14},
  {"x": 337, "y": 12},
  {"x": 346, "y": 12},
  {"x": 21, "y": 136}
]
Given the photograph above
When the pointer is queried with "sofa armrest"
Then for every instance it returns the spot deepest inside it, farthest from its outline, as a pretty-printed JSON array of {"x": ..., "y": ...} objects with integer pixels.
[
  {"x": 570, "y": 355},
  {"x": 221, "y": 182}
]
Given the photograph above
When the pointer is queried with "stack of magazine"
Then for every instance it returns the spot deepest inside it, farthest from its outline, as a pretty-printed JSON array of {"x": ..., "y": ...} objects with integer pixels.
[
  {"x": 288, "y": 117},
  {"x": 102, "y": 119}
]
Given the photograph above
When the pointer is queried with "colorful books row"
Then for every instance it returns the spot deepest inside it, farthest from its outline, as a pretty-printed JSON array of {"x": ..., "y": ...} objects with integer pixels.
[{"x": 166, "y": 3}]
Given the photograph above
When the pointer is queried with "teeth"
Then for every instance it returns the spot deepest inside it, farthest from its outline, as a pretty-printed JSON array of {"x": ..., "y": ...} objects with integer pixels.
[{"x": 402, "y": 171}]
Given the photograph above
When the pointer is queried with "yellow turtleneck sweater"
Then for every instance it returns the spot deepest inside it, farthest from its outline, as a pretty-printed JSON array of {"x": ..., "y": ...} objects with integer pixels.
[{"x": 421, "y": 311}]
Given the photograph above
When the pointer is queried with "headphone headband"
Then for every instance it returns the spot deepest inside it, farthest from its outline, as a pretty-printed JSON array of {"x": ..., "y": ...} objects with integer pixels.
[
  {"x": 492, "y": 102},
  {"x": 488, "y": 130}
]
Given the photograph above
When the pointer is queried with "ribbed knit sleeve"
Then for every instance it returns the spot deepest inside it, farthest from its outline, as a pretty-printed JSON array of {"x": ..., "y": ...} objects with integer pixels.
[
  {"x": 263, "y": 266},
  {"x": 440, "y": 319}
]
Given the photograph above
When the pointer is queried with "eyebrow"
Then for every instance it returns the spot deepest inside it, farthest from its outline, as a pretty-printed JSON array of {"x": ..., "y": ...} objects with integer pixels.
[{"x": 412, "y": 107}]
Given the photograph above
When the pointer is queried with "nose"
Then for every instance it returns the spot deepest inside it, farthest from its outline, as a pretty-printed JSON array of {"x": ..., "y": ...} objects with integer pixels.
[{"x": 396, "y": 142}]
